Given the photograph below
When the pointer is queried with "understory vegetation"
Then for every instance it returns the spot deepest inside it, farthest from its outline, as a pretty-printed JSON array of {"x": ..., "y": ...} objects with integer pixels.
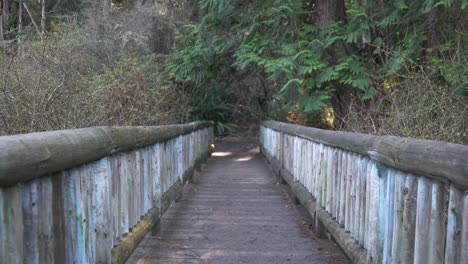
[
  {"x": 87, "y": 69},
  {"x": 382, "y": 67}
]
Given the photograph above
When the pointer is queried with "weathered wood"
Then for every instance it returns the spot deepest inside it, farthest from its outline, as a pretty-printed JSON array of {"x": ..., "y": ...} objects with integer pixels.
[
  {"x": 11, "y": 225},
  {"x": 374, "y": 250},
  {"x": 464, "y": 239},
  {"x": 24, "y": 157},
  {"x": 122, "y": 252},
  {"x": 409, "y": 219},
  {"x": 397, "y": 216},
  {"x": 398, "y": 230},
  {"x": 437, "y": 223},
  {"x": 440, "y": 160},
  {"x": 453, "y": 252},
  {"x": 423, "y": 218},
  {"x": 356, "y": 253},
  {"x": 389, "y": 218},
  {"x": 363, "y": 199},
  {"x": 28, "y": 156}
]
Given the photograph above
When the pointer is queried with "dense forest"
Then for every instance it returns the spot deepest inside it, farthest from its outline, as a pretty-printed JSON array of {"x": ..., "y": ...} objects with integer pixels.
[{"x": 382, "y": 67}]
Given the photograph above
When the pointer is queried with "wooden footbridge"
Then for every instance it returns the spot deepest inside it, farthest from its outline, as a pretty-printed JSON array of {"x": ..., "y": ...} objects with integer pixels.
[{"x": 166, "y": 195}]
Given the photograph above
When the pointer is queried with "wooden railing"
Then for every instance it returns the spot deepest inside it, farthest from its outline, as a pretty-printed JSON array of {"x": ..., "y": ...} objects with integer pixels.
[
  {"x": 383, "y": 199},
  {"x": 90, "y": 195}
]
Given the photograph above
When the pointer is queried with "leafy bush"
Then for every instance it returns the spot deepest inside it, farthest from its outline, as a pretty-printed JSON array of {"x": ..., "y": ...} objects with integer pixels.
[{"x": 76, "y": 77}]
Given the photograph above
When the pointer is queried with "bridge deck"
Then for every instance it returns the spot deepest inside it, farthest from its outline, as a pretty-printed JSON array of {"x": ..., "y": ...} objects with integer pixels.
[{"x": 235, "y": 213}]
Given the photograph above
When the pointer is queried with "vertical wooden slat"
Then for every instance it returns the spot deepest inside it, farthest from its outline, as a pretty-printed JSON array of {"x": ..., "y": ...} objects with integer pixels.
[
  {"x": 349, "y": 194},
  {"x": 368, "y": 206},
  {"x": 423, "y": 214},
  {"x": 336, "y": 184},
  {"x": 124, "y": 195},
  {"x": 71, "y": 180},
  {"x": 330, "y": 179},
  {"x": 87, "y": 187},
  {"x": 324, "y": 154},
  {"x": 464, "y": 234},
  {"x": 363, "y": 199},
  {"x": 318, "y": 176},
  {"x": 30, "y": 218},
  {"x": 454, "y": 227},
  {"x": 101, "y": 210},
  {"x": 390, "y": 215},
  {"x": 343, "y": 197},
  {"x": 354, "y": 202},
  {"x": 115, "y": 200},
  {"x": 81, "y": 213},
  {"x": 11, "y": 225},
  {"x": 45, "y": 228},
  {"x": 398, "y": 229},
  {"x": 409, "y": 218},
  {"x": 437, "y": 223},
  {"x": 374, "y": 221},
  {"x": 382, "y": 174}
]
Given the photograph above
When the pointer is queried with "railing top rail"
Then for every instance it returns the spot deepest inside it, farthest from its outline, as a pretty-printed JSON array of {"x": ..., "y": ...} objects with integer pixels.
[
  {"x": 27, "y": 156},
  {"x": 444, "y": 161}
]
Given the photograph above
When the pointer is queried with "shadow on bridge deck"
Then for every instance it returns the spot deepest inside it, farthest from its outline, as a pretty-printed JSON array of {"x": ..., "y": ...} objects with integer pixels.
[{"x": 235, "y": 212}]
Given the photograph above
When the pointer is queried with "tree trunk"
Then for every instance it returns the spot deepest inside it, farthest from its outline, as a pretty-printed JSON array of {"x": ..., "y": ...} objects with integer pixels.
[
  {"x": 1, "y": 28},
  {"x": 328, "y": 11},
  {"x": 32, "y": 18},
  {"x": 6, "y": 12},
  {"x": 43, "y": 17},
  {"x": 432, "y": 42},
  {"x": 20, "y": 18}
]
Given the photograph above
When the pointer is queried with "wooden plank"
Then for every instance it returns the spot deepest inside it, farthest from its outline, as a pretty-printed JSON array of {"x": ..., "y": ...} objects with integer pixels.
[
  {"x": 58, "y": 207},
  {"x": 319, "y": 175},
  {"x": 156, "y": 174},
  {"x": 398, "y": 228},
  {"x": 71, "y": 178},
  {"x": 363, "y": 199},
  {"x": 349, "y": 192},
  {"x": 81, "y": 213},
  {"x": 91, "y": 235},
  {"x": 464, "y": 239},
  {"x": 101, "y": 211},
  {"x": 357, "y": 192},
  {"x": 374, "y": 250},
  {"x": 45, "y": 228},
  {"x": 121, "y": 253},
  {"x": 147, "y": 180},
  {"x": 354, "y": 213},
  {"x": 310, "y": 164},
  {"x": 115, "y": 197},
  {"x": 12, "y": 225},
  {"x": 423, "y": 218},
  {"x": 438, "y": 160},
  {"x": 30, "y": 222},
  {"x": 409, "y": 218},
  {"x": 437, "y": 223},
  {"x": 330, "y": 179},
  {"x": 324, "y": 151},
  {"x": 336, "y": 184},
  {"x": 454, "y": 227},
  {"x": 389, "y": 217},
  {"x": 343, "y": 196},
  {"x": 368, "y": 205},
  {"x": 383, "y": 174},
  {"x": 124, "y": 189}
]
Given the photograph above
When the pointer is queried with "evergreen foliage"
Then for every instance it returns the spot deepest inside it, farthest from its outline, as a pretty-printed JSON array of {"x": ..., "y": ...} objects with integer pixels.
[{"x": 310, "y": 63}]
